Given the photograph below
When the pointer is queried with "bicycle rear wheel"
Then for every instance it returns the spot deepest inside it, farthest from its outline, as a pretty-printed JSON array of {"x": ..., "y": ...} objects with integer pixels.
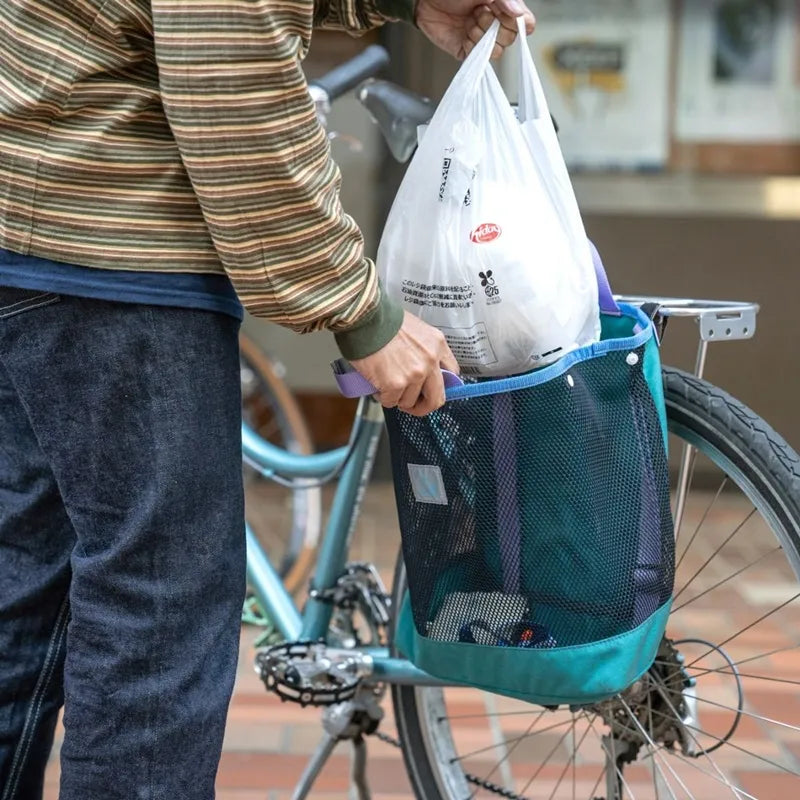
[
  {"x": 733, "y": 634},
  {"x": 286, "y": 522}
]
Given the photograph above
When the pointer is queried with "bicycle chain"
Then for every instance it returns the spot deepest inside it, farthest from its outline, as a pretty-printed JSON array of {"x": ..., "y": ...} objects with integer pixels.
[{"x": 473, "y": 779}]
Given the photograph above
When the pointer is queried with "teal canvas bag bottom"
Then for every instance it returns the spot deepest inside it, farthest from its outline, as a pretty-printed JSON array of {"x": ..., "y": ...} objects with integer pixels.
[
  {"x": 536, "y": 525},
  {"x": 550, "y": 677}
]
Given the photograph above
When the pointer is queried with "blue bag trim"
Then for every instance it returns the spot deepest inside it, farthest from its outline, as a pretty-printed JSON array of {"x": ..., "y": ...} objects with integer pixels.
[
  {"x": 545, "y": 374},
  {"x": 550, "y": 676}
]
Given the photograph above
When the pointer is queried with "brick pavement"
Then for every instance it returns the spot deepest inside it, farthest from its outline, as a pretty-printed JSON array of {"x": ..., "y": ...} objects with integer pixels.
[{"x": 267, "y": 742}]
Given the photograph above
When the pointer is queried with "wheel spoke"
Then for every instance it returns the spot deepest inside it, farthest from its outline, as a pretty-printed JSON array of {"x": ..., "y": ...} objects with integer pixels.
[
  {"x": 613, "y": 757},
  {"x": 549, "y": 755},
  {"x": 650, "y": 723},
  {"x": 729, "y": 743},
  {"x": 700, "y": 671},
  {"x": 734, "y": 636},
  {"x": 685, "y": 477},
  {"x": 597, "y": 783},
  {"x": 566, "y": 768},
  {"x": 699, "y": 524},
  {"x": 711, "y": 557},
  {"x": 508, "y": 741},
  {"x": 653, "y": 745},
  {"x": 725, "y": 580},
  {"x": 574, "y": 753},
  {"x": 757, "y": 677},
  {"x": 693, "y": 763},
  {"x": 665, "y": 698},
  {"x": 514, "y": 746},
  {"x": 749, "y": 713},
  {"x": 497, "y": 733}
]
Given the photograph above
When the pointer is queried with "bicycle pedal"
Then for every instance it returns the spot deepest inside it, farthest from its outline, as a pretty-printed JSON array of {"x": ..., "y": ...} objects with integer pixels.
[{"x": 310, "y": 673}]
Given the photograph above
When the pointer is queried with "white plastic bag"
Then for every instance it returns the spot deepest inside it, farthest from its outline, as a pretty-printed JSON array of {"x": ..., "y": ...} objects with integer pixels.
[{"x": 484, "y": 240}]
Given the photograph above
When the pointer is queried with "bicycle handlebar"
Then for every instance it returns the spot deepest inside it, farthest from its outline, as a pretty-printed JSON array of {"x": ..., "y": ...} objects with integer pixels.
[{"x": 348, "y": 75}]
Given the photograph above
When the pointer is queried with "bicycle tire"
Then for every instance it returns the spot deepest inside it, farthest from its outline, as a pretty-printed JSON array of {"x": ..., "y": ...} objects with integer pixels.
[
  {"x": 275, "y": 414},
  {"x": 765, "y": 467}
]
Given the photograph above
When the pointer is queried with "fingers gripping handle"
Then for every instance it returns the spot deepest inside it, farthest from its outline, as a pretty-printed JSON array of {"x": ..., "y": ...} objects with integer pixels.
[{"x": 354, "y": 384}]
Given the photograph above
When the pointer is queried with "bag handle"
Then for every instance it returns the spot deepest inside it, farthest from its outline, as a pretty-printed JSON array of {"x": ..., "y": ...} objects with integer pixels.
[
  {"x": 472, "y": 69},
  {"x": 354, "y": 384},
  {"x": 608, "y": 305},
  {"x": 481, "y": 54},
  {"x": 532, "y": 103}
]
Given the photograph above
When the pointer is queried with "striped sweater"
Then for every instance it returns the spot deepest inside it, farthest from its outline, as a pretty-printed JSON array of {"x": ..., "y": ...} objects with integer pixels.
[{"x": 179, "y": 136}]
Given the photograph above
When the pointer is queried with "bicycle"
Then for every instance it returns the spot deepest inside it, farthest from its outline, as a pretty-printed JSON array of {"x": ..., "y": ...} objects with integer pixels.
[{"x": 705, "y": 718}]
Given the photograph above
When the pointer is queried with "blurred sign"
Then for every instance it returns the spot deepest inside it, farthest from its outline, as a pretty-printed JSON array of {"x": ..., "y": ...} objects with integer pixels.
[
  {"x": 739, "y": 71},
  {"x": 605, "y": 68}
]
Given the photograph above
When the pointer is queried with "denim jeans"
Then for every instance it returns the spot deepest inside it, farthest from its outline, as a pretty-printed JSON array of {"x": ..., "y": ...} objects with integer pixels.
[{"x": 122, "y": 557}]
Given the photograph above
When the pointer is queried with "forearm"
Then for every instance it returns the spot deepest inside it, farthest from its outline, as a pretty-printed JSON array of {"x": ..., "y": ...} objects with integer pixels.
[{"x": 259, "y": 162}]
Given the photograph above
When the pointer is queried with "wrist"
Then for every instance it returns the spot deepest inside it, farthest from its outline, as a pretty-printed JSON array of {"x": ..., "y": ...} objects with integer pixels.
[{"x": 372, "y": 333}]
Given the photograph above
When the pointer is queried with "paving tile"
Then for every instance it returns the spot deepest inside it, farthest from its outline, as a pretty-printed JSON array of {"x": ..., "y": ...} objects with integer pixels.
[{"x": 769, "y": 785}]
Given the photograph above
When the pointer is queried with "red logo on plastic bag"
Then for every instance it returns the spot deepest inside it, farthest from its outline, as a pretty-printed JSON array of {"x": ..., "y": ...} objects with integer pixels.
[{"x": 486, "y": 232}]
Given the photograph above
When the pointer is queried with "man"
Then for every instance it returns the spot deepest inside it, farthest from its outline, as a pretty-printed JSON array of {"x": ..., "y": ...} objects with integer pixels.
[{"x": 157, "y": 159}]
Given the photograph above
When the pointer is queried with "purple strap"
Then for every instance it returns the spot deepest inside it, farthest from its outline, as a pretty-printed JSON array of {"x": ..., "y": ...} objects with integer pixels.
[
  {"x": 354, "y": 384},
  {"x": 509, "y": 529},
  {"x": 608, "y": 305}
]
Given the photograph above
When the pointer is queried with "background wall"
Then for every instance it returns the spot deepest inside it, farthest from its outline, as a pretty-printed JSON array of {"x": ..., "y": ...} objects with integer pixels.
[{"x": 730, "y": 259}]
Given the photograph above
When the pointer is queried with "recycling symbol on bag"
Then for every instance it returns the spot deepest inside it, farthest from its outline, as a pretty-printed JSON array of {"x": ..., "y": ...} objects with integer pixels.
[{"x": 488, "y": 283}]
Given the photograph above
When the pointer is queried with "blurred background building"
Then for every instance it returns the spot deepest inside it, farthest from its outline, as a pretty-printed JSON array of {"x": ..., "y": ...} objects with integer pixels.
[{"x": 680, "y": 122}]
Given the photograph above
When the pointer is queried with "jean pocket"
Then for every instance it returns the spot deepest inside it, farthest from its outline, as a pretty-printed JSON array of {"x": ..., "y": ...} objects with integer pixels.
[{"x": 15, "y": 301}]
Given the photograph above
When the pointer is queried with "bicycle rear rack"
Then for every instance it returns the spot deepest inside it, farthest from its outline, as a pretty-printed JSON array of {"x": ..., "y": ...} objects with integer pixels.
[{"x": 718, "y": 321}]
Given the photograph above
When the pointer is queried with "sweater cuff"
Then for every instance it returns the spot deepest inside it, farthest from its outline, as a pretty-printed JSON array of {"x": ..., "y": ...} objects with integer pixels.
[
  {"x": 405, "y": 10},
  {"x": 371, "y": 334}
]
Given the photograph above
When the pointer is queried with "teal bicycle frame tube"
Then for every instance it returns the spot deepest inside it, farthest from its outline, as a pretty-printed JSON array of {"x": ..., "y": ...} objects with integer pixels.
[
  {"x": 344, "y": 513},
  {"x": 274, "y": 460},
  {"x": 270, "y": 591}
]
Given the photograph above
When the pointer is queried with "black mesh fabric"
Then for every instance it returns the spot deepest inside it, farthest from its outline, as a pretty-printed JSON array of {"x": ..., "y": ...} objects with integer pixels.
[{"x": 540, "y": 516}]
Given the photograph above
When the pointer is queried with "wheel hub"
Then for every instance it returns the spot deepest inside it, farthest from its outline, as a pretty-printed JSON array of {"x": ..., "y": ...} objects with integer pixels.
[{"x": 655, "y": 708}]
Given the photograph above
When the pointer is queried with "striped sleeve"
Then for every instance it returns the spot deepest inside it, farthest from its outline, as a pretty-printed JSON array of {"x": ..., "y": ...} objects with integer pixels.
[
  {"x": 357, "y": 16},
  {"x": 238, "y": 106}
]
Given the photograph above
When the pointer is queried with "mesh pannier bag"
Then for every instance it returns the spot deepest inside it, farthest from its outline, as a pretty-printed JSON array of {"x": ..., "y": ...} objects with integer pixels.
[{"x": 536, "y": 525}]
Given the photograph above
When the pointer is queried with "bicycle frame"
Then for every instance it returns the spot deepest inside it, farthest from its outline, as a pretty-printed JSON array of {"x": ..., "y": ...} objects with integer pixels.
[{"x": 311, "y": 624}]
